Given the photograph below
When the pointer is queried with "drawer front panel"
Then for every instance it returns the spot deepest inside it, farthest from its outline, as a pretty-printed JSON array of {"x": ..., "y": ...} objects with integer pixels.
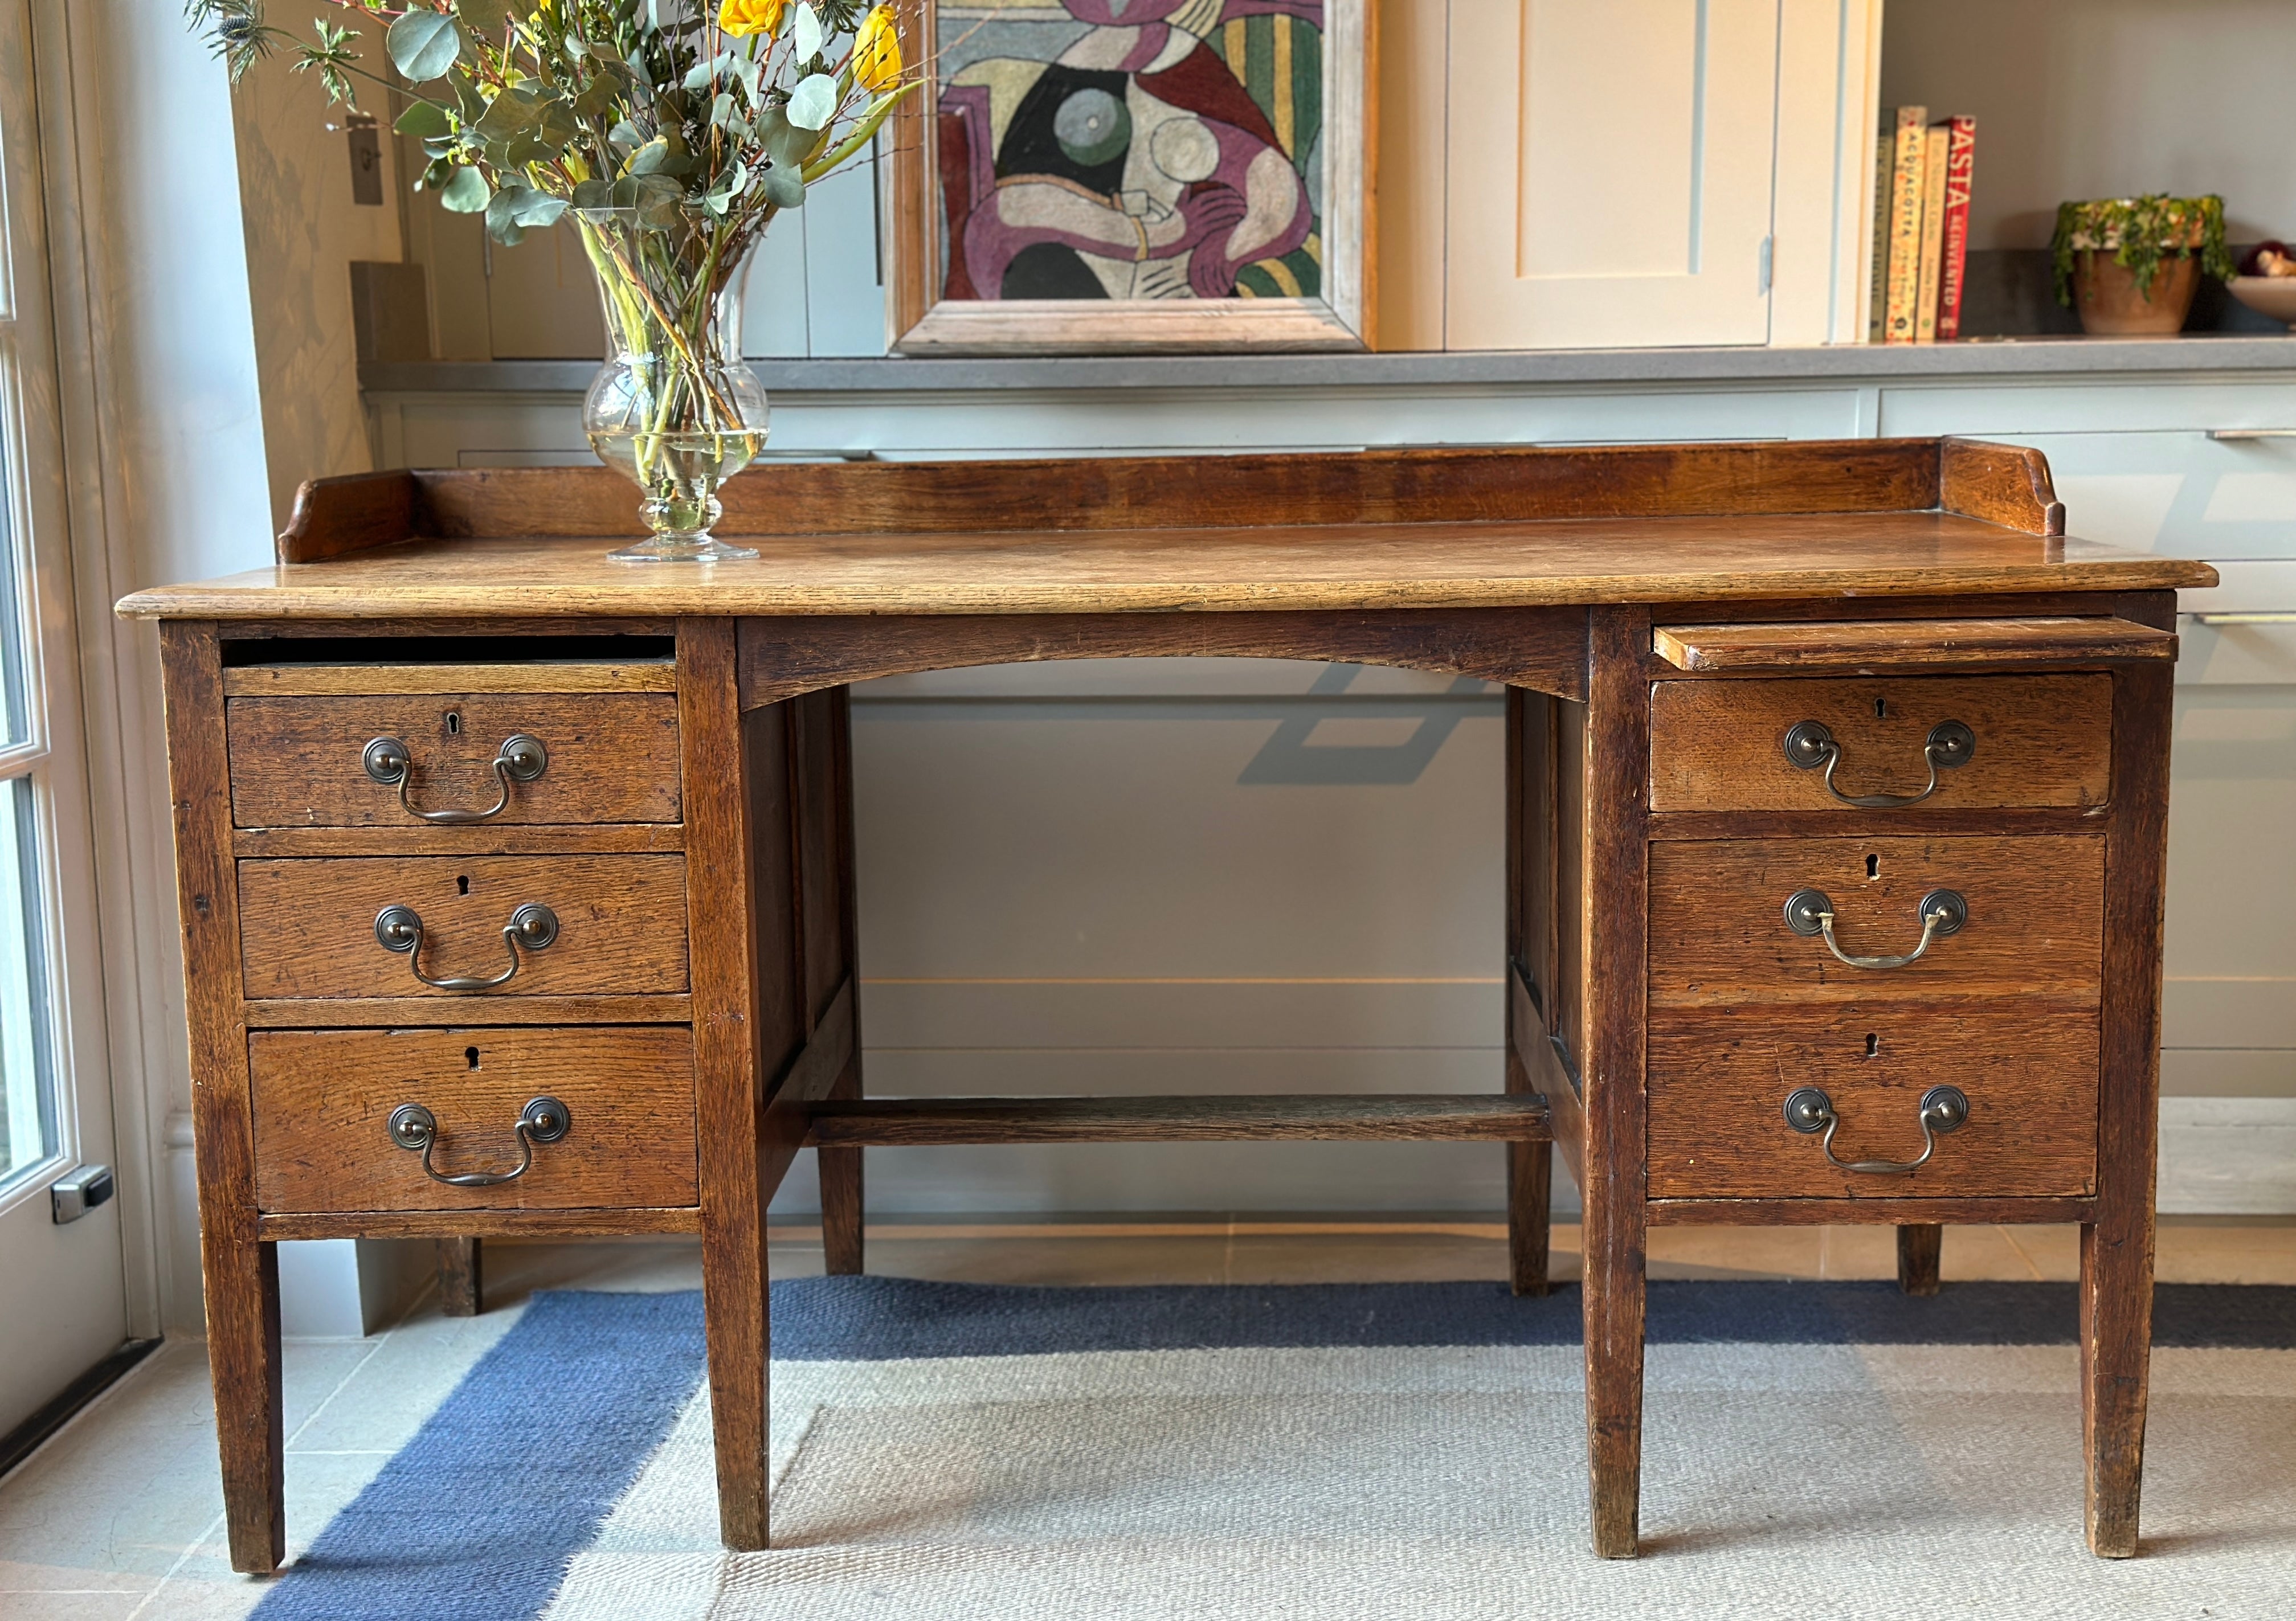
[
  {"x": 2040, "y": 741},
  {"x": 1719, "y": 1079},
  {"x": 300, "y": 761},
  {"x": 1719, "y": 932},
  {"x": 308, "y": 928},
  {"x": 324, "y": 1100}
]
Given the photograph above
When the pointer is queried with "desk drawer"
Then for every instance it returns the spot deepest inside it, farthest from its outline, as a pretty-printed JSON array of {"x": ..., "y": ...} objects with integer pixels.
[
  {"x": 306, "y": 761},
  {"x": 616, "y": 926},
  {"x": 324, "y": 1099},
  {"x": 2031, "y": 922},
  {"x": 1719, "y": 1080},
  {"x": 1720, "y": 745}
]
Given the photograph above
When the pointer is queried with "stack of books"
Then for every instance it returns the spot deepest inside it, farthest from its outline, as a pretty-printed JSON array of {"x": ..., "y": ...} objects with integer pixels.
[{"x": 1921, "y": 227}]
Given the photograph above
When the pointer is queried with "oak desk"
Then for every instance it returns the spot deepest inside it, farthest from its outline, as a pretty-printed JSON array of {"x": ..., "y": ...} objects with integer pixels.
[{"x": 517, "y": 886}]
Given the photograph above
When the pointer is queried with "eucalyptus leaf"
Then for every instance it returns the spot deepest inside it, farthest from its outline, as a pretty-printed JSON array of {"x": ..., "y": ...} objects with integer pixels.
[
  {"x": 510, "y": 115},
  {"x": 425, "y": 119},
  {"x": 597, "y": 97},
  {"x": 785, "y": 142},
  {"x": 808, "y": 34},
  {"x": 423, "y": 45},
  {"x": 780, "y": 186},
  {"x": 626, "y": 135},
  {"x": 658, "y": 197},
  {"x": 467, "y": 193},
  {"x": 721, "y": 109},
  {"x": 594, "y": 195},
  {"x": 649, "y": 159},
  {"x": 814, "y": 103}
]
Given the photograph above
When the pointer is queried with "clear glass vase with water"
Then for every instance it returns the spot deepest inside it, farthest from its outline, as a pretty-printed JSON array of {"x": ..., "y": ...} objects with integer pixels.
[{"x": 675, "y": 409}]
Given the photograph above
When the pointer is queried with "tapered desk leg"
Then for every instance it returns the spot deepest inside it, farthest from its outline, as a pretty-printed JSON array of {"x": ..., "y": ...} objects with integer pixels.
[
  {"x": 461, "y": 1287},
  {"x": 722, "y": 906},
  {"x": 1614, "y": 886},
  {"x": 241, "y": 1273},
  {"x": 1530, "y": 1177},
  {"x": 1920, "y": 1246},
  {"x": 2116, "y": 1284},
  {"x": 243, "y": 1307},
  {"x": 840, "y": 1168}
]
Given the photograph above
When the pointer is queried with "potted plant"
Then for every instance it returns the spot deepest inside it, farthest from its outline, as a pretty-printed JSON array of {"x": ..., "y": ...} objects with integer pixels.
[
  {"x": 2128, "y": 264},
  {"x": 670, "y": 133}
]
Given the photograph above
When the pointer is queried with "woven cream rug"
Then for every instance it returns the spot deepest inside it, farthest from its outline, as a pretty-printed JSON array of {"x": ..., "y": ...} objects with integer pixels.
[{"x": 1887, "y": 1482}]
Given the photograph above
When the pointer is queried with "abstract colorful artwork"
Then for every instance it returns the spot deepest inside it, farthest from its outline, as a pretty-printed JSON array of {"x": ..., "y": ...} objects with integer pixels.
[{"x": 1130, "y": 149}]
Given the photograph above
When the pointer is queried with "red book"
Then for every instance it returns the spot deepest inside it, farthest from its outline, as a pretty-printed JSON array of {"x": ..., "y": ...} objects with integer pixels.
[{"x": 1960, "y": 166}]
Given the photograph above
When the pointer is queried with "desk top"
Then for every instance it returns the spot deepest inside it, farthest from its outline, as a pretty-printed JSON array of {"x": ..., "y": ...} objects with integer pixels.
[{"x": 1474, "y": 529}]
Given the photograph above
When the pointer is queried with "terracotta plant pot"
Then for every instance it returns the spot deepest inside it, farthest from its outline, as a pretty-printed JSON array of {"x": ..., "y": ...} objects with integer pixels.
[{"x": 2105, "y": 294}]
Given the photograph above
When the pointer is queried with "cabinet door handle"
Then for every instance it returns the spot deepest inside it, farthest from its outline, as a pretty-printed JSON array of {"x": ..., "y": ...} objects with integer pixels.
[
  {"x": 521, "y": 758},
  {"x": 1943, "y": 1110},
  {"x": 399, "y": 929},
  {"x": 1809, "y": 744},
  {"x": 1943, "y": 912},
  {"x": 2276, "y": 617},
  {"x": 543, "y": 1120}
]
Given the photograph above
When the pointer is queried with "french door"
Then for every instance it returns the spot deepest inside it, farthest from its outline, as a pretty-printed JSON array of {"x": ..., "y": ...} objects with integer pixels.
[{"x": 63, "y": 1287}]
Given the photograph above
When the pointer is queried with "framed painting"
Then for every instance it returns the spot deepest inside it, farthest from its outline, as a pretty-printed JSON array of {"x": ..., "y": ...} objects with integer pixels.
[{"x": 1132, "y": 177}]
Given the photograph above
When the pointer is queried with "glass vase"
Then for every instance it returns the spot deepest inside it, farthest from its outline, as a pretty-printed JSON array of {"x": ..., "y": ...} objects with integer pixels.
[{"x": 674, "y": 408}]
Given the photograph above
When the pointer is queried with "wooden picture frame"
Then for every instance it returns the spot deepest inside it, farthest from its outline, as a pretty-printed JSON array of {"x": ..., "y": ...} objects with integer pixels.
[{"x": 921, "y": 321}]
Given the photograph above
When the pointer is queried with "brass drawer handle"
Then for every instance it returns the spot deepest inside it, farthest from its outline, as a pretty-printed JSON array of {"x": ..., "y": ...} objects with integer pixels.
[
  {"x": 398, "y": 929},
  {"x": 1809, "y": 744},
  {"x": 543, "y": 1120},
  {"x": 1944, "y": 1109},
  {"x": 1943, "y": 912},
  {"x": 521, "y": 760}
]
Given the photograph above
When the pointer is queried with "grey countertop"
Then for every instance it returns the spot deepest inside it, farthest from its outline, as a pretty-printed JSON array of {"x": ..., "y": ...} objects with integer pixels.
[{"x": 1843, "y": 362}]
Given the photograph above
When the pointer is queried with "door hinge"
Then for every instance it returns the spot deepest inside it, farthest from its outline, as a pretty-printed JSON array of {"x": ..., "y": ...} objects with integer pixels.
[{"x": 1762, "y": 268}]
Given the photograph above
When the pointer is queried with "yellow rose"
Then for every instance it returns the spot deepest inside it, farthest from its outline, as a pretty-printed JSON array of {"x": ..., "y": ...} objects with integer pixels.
[
  {"x": 743, "y": 17},
  {"x": 877, "y": 52}
]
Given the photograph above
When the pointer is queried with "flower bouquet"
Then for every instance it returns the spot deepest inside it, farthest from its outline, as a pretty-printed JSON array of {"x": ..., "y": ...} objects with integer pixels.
[{"x": 671, "y": 134}]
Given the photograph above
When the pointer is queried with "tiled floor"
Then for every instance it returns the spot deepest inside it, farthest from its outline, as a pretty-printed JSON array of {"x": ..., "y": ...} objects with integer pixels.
[{"x": 118, "y": 1518}]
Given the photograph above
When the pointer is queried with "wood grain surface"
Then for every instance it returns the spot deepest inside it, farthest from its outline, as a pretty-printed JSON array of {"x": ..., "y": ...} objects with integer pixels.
[
  {"x": 1346, "y": 566},
  {"x": 308, "y": 926},
  {"x": 482, "y": 1224},
  {"x": 1921, "y": 1247},
  {"x": 1412, "y": 1117},
  {"x": 1473, "y": 485},
  {"x": 573, "y": 839},
  {"x": 1866, "y": 1212},
  {"x": 1544, "y": 649},
  {"x": 1867, "y": 646},
  {"x": 324, "y": 1099},
  {"x": 2041, "y": 740},
  {"x": 1719, "y": 1079},
  {"x": 239, "y": 1267},
  {"x": 2116, "y": 1274},
  {"x": 1613, "y": 879},
  {"x": 368, "y": 680},
  {"x": 2002, "y": 483},
  {"x": 299, "y": 762},
  {"x": 461, "y": 1276},
  {"x": 737, "y": 1053},
  {"x": 1719, "y": 934}
]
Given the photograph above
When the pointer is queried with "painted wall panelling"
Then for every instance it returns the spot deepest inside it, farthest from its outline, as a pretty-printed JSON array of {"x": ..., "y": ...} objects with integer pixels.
[
  {"x": 815, "y": 289},
  {"x": 1650, "y": 173}
]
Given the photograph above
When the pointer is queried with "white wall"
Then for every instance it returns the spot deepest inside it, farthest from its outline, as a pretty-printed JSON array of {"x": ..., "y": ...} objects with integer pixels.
[
  {"x": 302, "y": 231},
  {"x": 2077, "y": 99}
]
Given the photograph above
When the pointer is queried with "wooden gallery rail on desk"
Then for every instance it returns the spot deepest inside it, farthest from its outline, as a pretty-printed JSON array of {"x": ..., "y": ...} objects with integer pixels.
[{"x": 518, "y": 886}]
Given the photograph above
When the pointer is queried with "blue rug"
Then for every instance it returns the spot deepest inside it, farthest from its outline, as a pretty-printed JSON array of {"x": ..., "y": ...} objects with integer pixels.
[{"x": 478, "y": 1517}]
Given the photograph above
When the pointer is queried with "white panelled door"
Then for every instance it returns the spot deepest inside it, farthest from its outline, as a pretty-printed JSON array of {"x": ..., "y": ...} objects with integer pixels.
[
  {"x": 62, "y": 1291},
  {"x": 1609, "y": 173}
]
